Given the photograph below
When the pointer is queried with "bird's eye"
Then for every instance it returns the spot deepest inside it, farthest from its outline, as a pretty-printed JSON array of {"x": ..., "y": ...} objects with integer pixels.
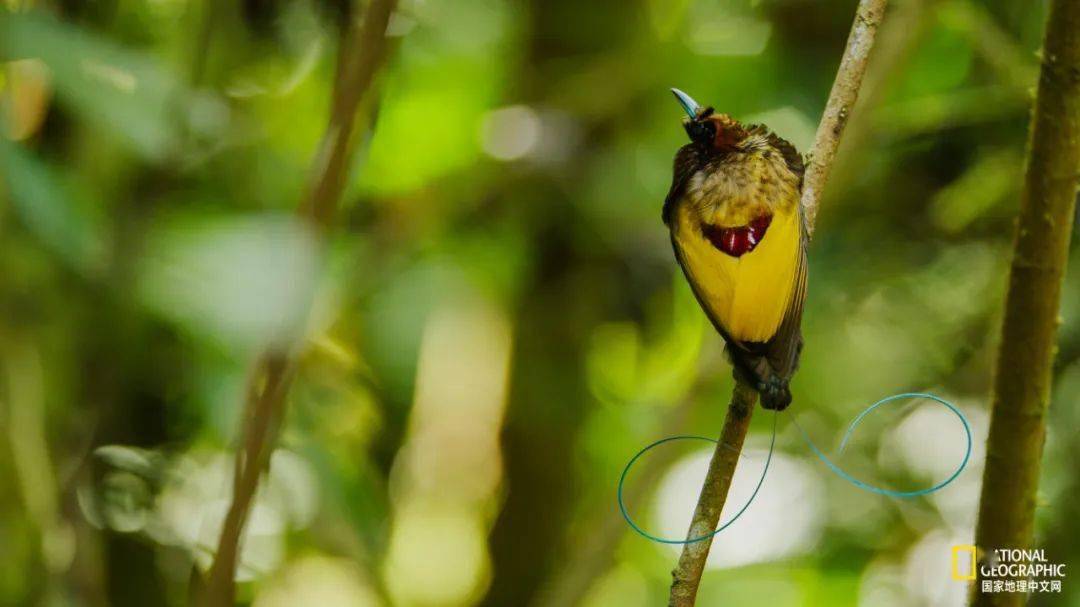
[{"x": 701, "y": 131}]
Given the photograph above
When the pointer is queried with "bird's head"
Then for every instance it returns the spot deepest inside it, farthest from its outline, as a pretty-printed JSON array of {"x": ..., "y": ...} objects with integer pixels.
[{"x": 713, "y": 132}]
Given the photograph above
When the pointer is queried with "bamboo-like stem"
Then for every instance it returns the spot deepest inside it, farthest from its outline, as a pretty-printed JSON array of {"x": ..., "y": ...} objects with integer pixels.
[
  {"x": 686, "y": 577},
  {"x": 1022, "y": 379},
  {"x": 264, "y": 407},
  {"x": 593, "y": 555}
]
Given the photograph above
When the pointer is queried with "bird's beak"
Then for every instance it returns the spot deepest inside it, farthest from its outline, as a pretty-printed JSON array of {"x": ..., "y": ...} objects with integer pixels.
[{"x": 687, "y": 102}]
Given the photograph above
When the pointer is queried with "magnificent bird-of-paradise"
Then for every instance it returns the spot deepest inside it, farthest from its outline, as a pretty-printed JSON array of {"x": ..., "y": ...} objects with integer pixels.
[{"x": 740, "y": 236}]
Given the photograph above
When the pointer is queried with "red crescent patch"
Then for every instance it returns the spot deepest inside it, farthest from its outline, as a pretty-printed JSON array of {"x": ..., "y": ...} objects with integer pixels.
[{"x": 740, "y": 240}]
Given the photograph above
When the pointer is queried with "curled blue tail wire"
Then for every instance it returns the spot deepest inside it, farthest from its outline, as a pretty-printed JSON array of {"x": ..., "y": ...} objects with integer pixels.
[
  {"x": 881, "y": 490},
  {"x": 813, "y": 447}
]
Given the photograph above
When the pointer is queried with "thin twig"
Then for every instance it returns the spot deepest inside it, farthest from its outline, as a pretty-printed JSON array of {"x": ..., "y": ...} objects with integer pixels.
[
  {"x": 686, "y": 577},
  {"x": 845, "y": 91},
  {"x": 263, "y": 411},
  {"x": 264, "y": 407},
  {"x": 368, "y": 50},
  {"x": 1024, "y": 370}
]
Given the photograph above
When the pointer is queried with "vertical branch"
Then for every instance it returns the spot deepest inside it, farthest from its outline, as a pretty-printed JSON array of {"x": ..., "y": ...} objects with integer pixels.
[
  {"x": 264, "y": 407},
  {"x": 686, "y": 577},
  {"x": 1021, "y": 390}
]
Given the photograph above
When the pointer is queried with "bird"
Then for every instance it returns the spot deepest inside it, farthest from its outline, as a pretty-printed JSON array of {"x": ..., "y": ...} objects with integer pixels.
[{"x": 740, "y": 236}]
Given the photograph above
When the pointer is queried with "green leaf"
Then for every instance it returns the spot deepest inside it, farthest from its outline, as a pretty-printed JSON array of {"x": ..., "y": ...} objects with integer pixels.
[
  {"x": 65, "y": 222},
  {"x": 116, "y": 90}
]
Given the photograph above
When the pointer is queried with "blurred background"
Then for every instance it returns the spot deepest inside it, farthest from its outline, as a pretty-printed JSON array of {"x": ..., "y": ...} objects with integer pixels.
[{"x": 495, "y": 324}]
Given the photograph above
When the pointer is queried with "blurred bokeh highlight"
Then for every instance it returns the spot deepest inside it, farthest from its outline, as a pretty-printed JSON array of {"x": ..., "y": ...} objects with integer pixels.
[{"x": 495, "y": 323}]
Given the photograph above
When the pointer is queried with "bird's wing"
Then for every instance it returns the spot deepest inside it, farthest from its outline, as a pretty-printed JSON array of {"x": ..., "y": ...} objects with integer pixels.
[
  {"x": 785, "y": 346},
  {"x": 686, "y": 162}
]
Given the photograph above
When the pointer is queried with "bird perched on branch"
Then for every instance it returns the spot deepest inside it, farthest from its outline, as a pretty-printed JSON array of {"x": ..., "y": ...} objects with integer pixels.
[{"x": 740, "y": 236}]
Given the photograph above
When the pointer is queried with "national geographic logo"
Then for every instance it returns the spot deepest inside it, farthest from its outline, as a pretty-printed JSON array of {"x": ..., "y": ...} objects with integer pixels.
[{"x": 1008, "y": 570}]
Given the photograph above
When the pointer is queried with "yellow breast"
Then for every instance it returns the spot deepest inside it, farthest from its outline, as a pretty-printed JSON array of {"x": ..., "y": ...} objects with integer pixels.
[{"x": 748, "y": 295}]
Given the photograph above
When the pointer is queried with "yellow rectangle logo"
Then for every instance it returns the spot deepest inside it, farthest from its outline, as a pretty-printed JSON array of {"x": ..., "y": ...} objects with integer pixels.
[{"x": 961, "y": 555}]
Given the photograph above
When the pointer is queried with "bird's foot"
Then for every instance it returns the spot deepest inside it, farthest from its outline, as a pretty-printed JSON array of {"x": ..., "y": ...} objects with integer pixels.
[{"x": 775, "y": 394}]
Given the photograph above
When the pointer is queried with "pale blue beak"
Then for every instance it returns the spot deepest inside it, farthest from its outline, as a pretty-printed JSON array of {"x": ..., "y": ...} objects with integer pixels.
[{"x": 687, "y": 102}]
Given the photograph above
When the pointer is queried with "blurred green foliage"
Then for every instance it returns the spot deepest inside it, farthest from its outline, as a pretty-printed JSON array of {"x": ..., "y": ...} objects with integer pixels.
[{"x": 495, "y": 323}]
